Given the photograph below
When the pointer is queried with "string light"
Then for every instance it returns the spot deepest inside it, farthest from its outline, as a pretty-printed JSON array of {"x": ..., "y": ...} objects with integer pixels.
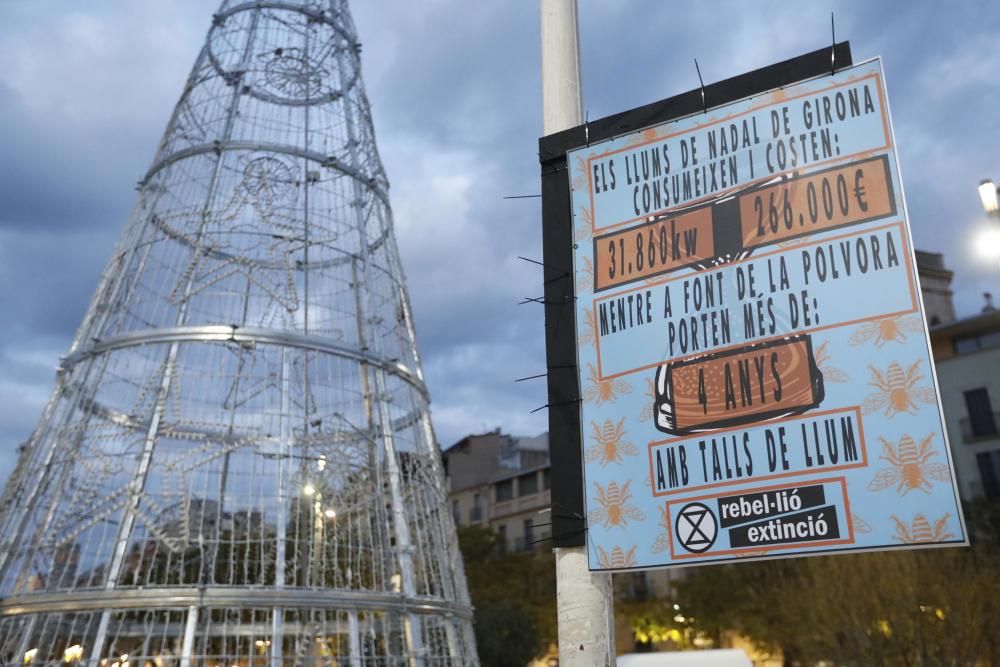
[{"x": 73, "y": 653}]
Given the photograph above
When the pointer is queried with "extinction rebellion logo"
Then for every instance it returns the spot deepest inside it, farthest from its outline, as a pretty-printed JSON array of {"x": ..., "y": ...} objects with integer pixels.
[{"x": 696, "y": 528}]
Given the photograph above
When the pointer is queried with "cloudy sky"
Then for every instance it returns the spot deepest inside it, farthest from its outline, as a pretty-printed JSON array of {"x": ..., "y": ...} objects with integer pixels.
[{"x": 87, "y": 88}]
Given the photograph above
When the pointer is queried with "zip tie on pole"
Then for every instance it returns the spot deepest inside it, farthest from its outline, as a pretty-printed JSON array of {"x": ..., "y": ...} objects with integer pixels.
[
  {"x": 833, "y": 46},
  {"x": 555, "y": 405},
  {"x": 704, "y": 104}
]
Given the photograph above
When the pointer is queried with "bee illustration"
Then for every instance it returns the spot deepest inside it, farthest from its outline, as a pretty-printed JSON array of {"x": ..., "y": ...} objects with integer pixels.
[
  {"x": 617, "y": 558},
  {"x": 601, "y": 391},
  {"x": 887, "y": 329},
  {"x": 609, "y": 447},
  {"x": 909, "y": 468},
  {"x": 860, "y": 525},
  {"x": 920, "y": 530},
  {"x": 897, "y": 391},
  {"x": 662, "y": 542},
  {"x": 581, "y": 175},
  {"x": 830, "y": 374},
  {"x": 589, "y": 335},
  {"x": 585, "y": 225},
  {"x": 614, "y": 509},
  {"x": 647, "y": 408},
  {"x": 585, "y": 276}
]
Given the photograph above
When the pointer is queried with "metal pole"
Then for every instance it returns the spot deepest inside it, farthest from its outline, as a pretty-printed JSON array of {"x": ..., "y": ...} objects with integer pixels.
[
  {"x": 562, "y": 105},
  {"x": 353, "y": 639},
  {"x": 190, "y": 628},
  {"x": 278, "y": 612},
  {"x": 584, "y": 602}
]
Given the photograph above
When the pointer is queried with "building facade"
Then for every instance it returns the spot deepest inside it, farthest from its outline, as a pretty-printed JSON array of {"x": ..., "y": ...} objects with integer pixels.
[
  {"x": 501, "y": 482},
  {"x": 967, "y": 358},
  {"x": 935, "y": 287}
]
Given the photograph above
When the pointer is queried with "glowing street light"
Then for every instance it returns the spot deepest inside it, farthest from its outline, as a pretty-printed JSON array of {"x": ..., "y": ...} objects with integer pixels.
[
  {"x": 986, "y": 241},
  {"x": 988, "y": 195}
]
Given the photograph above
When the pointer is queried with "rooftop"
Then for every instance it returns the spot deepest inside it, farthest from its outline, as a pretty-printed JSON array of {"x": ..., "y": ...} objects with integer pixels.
[{"x": 984, "y": 321}]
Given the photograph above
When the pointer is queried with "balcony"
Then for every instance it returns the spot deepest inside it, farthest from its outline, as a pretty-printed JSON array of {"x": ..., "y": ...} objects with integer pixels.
[{"x": 533, "y": 502}]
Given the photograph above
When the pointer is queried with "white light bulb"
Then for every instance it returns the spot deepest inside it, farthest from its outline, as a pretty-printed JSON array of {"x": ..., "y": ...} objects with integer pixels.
[
  {"x": 987, "y": 244},
  {"x": 988, "y": 195}
]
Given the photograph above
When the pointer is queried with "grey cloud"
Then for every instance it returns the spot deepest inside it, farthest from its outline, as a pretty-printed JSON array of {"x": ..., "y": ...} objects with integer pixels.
[{"x": 455, "y": 91}]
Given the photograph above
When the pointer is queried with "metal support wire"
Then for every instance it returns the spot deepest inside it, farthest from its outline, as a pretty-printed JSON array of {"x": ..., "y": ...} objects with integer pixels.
[{"x": 237, "y": 465}]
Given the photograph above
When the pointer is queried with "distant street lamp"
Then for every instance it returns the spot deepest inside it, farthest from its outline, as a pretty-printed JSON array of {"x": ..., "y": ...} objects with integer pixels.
[
  {"x": 988, "y": 195},
  {"x": 987, "y": 240}
]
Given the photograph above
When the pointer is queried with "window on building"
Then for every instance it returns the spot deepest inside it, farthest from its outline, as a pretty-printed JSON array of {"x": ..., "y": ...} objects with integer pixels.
[
  {"x": 476, "y": 513},
  {"x": 454, "y": 511},
  {"x": 546, "y": 479},
  {"x": 981, "y": 421},
  {"x": 505, "y": 490},
  {"x": 529, "y": 535},
  {"x": 966, "y": 345},
  {"x": 502, "y": 539},
  {"x": 976, "y": 342},
  {"x": 987, "y": 341},
  {"x": 989, "y": 472},
  {"x": 527, "y": 484}
]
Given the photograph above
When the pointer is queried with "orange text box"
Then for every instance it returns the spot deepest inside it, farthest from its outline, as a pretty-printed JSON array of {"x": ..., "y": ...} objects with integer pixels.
[
  {"x": 742, "y": 386},
  {"x": 663, "y": 245},
  {"x": 659, "y": 451},
  {"x": 851, "y": 194}
]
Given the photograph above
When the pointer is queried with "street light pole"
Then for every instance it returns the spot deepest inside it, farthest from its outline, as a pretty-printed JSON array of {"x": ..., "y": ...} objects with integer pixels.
[{"x": 584, "y": 599}]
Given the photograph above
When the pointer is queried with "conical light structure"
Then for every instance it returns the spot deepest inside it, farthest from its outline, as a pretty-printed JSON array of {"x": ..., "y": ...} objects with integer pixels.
[{"x": 237, "y": 465}]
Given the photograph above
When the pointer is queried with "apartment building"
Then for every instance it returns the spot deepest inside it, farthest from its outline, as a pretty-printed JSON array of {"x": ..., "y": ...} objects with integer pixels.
[
  {"x": 501, "y": 482},
  {"x": 967, "y": 357}
]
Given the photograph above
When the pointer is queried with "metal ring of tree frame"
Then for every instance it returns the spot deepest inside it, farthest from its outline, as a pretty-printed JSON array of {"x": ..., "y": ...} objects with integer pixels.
[{"x": 281, "y": 65}]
